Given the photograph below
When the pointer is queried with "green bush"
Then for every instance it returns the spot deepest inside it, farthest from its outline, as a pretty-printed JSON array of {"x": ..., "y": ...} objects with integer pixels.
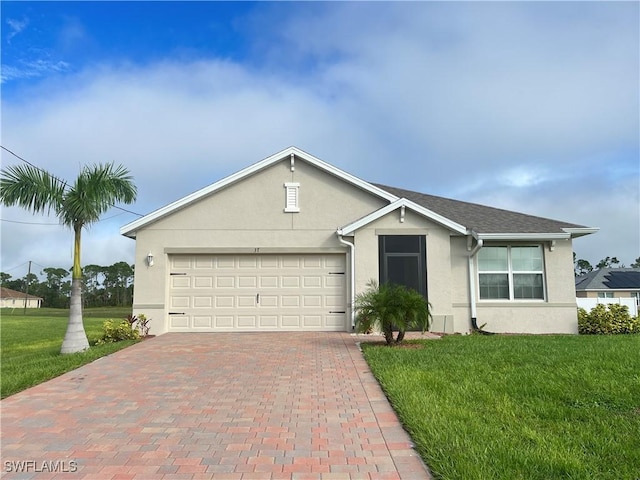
[
  {"x": 115, "y": 331},
  {"x": 391, "y": 308},
  {"x": 606, "y": 320}
]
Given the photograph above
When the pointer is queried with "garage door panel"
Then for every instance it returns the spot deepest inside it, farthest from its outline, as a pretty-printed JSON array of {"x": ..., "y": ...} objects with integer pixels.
[
  {"x": 291, "y": 320},
  {"x": 312, "y": 281},
  {"x": 246, "y": 301},
  {"x": 178, "y": 321},
  {"x": 269, "y": 301},
  {"x": 202, "y": 321},
  {"x": 225, "y": 263},
  {"x": 290, "y": 281},
  {"x": 257, "y": 292},
  {"x": 246, "y": 321},
  {"x": 180, "y": 282},
  {"x": 290, "y": 301},
  {"x": 334, "y": 281},
  {"x": 202, "y": 282},
  {"x": 224, "y": 301},
  {"x": 225, "y": 282},
  {"x": 247, "y": 282},
  {"x": 268, "y": 281},
  {"x": 202, "y": 302},
  {"x": 224, "y": 321},
  {"x": 312, "y": 321},
  {"x": 203, "y": 262},
  {"x": 268, "y": 321},
  {"x": 312, "y": 301},
  {"x": 180, "y": 302}
]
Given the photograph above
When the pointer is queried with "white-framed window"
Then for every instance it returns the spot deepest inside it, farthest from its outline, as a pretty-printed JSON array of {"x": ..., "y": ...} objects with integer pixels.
[
  {"x": 511, "y": 272},
  {"x": 292, "y": 197},
  {"x": 605, "y": 294}
]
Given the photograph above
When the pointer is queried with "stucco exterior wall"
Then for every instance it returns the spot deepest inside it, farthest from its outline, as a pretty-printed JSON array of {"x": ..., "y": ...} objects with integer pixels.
[
  {"x": 556, "y": 314},
  {"x": 248, "y": 217},
  {"x": 439, "y": 274}
]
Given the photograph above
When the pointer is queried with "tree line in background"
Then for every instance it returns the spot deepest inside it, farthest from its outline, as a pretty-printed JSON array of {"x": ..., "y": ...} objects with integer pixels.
[
  {"x": 582, "y": 267},
  {"x": 110, "y": 286}
]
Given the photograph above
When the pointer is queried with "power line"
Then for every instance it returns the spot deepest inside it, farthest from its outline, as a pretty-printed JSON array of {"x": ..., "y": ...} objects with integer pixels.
[
  {"x": 60, "y": 180},
  {"x": 30, "y": 223},
  {"x": 54, "y": 224}
]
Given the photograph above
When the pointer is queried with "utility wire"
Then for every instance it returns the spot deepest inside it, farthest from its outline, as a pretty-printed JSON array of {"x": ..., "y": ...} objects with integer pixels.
[{"x": 60, "y": 180}]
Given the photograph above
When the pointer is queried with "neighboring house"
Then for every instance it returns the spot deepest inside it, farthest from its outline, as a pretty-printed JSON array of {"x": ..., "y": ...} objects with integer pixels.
[
  {"x": 12, "y": 299},
  {"x": 286, "y": 243},
  {"x": 607, "y": 283}
]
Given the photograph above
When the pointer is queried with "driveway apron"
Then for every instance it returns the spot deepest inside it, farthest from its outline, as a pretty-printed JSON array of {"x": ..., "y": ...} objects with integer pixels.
[{"x": 221, "y": 405}]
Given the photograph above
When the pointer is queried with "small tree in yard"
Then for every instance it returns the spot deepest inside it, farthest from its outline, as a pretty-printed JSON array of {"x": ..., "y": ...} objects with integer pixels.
[{"x": 390, "y": 308}]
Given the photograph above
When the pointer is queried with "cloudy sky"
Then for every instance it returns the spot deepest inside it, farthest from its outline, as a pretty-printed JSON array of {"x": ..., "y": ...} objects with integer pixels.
[{"x": 532, "y": 107}]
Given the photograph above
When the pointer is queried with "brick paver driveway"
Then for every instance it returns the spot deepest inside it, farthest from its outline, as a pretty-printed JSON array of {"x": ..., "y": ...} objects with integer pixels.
[{"x": 222, "y": 406}]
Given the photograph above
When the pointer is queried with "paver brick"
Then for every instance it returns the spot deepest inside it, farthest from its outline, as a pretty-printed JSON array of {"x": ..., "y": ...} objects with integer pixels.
[{"x": 234, "y": 406}]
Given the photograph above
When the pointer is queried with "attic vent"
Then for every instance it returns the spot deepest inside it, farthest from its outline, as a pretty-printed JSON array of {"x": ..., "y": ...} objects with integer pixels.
[{"x": 291, "y": 197}]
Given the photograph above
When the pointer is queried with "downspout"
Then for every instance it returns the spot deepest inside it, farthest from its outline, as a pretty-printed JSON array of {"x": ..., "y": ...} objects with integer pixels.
[
  {"x": 352, "y": 277},
  {"x": 472, "y": 280}
]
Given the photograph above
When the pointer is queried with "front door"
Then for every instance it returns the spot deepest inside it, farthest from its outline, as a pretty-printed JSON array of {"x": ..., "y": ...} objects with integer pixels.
[{"x": 403, "y": 261}]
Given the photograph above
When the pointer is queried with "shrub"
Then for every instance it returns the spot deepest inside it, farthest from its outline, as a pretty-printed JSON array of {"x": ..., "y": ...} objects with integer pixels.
[
  {"x": 116, "y": 331},
  {"x": 391, "y": 308},
  {"x": 607, "y": 319}
]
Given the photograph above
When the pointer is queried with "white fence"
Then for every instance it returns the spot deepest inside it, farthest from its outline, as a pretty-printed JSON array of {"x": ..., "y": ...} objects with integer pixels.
[{"x": 589, "y": 303}]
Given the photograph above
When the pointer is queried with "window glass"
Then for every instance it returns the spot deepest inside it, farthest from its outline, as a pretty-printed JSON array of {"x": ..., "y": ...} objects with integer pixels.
[
  {"x": 493, "y": 259},
  {"x": 511, "y": 272},
  {"x": 605, "y": 294},
  {"x": 528, "y": 285},
  {"x": 494, "y": 286},
  {"x": 401, "y": 244},
  {"x": 526, "y": 259}
]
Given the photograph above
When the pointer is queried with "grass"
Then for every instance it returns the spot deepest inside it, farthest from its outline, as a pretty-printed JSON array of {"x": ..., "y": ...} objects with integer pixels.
[
  {"x": 30, "y": 344},
  {"x": 518, "y": 407}
]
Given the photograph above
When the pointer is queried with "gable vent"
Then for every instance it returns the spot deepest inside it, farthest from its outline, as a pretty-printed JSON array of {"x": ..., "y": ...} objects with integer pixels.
[{"x": 291, "y": 197}]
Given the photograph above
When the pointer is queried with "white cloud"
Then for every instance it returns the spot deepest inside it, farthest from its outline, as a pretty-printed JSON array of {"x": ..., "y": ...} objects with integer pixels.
[
  {"x": 521, "y": 106},
  {"x": 16, "y": 27}
]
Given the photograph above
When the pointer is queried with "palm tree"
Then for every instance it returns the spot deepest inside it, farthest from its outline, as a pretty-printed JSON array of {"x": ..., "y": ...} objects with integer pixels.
[
  {"x": 391, "y": 307},
  {"x": 96, "y": 189}
]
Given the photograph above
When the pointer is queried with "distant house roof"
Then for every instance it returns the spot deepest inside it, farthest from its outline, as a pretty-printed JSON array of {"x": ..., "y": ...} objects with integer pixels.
[
  {"x": 8, "y": 293},
  {"x": 483, "y": 219},
  {"x": 610, "y": 279}
]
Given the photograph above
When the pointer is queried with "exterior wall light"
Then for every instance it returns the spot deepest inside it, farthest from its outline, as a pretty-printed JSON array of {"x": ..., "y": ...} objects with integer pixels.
[{"x": 150, "y": 259}]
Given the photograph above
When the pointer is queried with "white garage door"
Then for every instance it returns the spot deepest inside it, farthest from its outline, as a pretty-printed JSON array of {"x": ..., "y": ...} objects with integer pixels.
[{"x": 209, "y": 293}]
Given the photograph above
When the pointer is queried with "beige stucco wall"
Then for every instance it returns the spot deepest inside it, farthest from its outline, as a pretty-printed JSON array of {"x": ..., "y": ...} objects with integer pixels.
[
  {"x": 248, "y": 217},
  {"x": 440, "y": 284},
  {"x": 557, "y": 314}
]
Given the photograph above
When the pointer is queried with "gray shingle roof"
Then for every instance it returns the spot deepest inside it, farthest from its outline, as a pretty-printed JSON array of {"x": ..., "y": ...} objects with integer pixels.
[
  {"x": 610, "y": 278},
  {"x": 480, "y": 218}
]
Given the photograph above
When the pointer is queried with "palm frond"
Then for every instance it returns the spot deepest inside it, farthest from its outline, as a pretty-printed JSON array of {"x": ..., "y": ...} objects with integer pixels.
[{"x": 31, "y": 188}]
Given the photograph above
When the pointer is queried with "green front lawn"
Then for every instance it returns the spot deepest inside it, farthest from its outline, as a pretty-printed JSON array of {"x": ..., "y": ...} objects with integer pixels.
[
  {"x": 518, "y": 407},
  {"x": 30, "y": 344}
]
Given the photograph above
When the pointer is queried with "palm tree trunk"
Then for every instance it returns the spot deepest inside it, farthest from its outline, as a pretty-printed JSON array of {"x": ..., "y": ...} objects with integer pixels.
[{"x": 75, "y": 340}]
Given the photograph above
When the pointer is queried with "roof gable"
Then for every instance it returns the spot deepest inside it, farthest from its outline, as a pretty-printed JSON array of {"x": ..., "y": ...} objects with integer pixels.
[
  {"x": 462, "y": 217},
  {"x": 400, "y": 203},
  {"x": 292, "y": 153}
]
